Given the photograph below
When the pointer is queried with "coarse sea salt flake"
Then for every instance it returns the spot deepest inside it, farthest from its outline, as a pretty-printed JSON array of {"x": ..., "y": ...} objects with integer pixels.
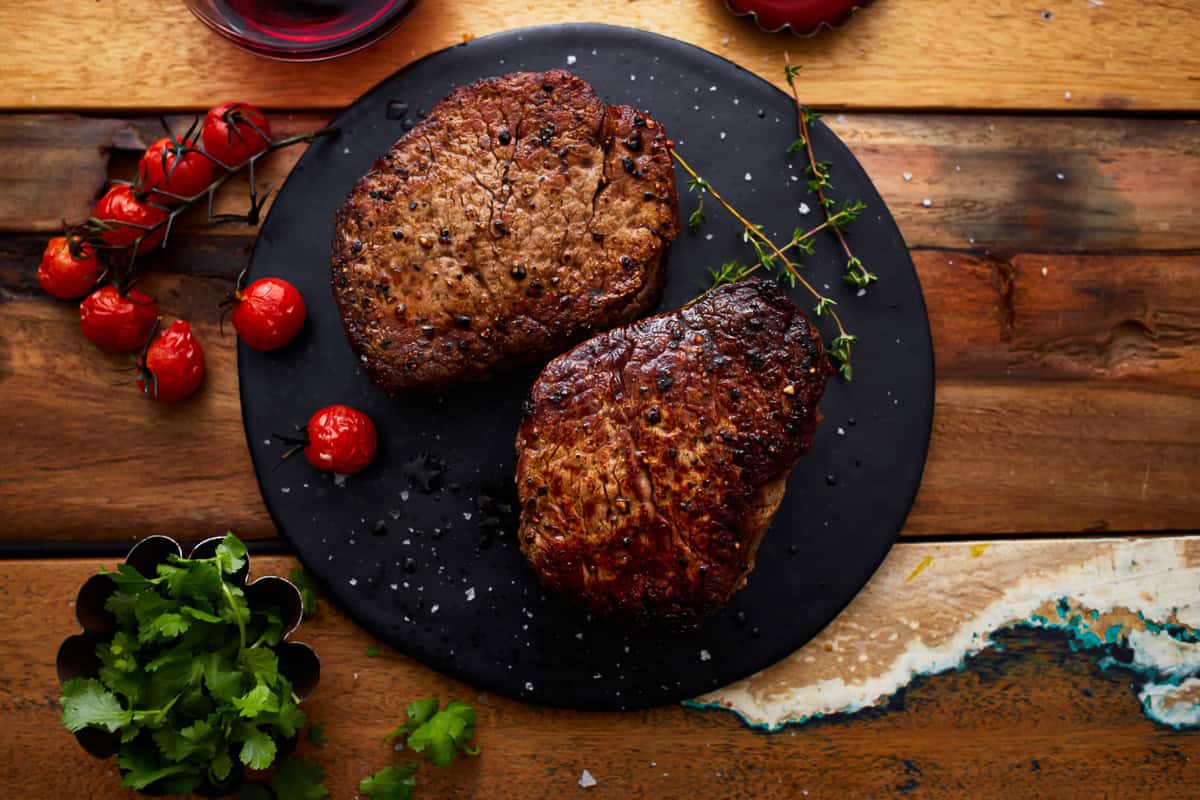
[{"x": 586, "y": 780}]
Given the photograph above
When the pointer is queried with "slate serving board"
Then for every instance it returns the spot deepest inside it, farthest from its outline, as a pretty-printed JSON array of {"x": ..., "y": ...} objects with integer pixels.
[{"x": 420, "y": 549}]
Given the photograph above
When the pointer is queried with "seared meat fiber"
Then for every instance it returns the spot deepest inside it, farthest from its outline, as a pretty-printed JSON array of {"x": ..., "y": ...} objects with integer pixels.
[
  {"x": 521, "y": 216},
  {"x": 653, "y": 457}
]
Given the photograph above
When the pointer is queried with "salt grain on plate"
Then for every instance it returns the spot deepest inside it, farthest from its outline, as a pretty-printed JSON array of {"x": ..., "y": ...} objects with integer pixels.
[
  {"x": 571, "y": 60},
  {"x": 1060, "y": 176},
  {"x": 749, "y": 176},
  {"x": 434, "y": 609},
  {"x": 722, "y": 139},
  {"x": 705, "y": 655},
  {"x": 470, "y": 593},
  {"x": 841, "y": 431},
  {"x": 804, "y": 209},
  {"x": 529, "y": 686},
  {"x": 585, "y": 780},
  {"x": 354, "y": 581},
  {"x": 907, "y": 176}
]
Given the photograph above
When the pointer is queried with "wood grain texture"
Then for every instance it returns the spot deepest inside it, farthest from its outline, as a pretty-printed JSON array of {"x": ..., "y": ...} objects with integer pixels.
[
  {"x": 1031, "y": 720},
  {"x": 1123, "y": 54},
  {"x": 1066, "y": 402},
  {"x": 992, "y": 181}
]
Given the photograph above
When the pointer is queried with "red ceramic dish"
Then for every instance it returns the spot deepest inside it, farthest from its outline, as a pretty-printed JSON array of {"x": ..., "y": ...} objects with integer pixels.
[{"x": 802, "y": 17}]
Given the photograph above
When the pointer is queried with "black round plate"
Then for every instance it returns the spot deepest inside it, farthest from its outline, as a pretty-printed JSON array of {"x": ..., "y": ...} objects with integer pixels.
[{"x": 420, "y": 548}]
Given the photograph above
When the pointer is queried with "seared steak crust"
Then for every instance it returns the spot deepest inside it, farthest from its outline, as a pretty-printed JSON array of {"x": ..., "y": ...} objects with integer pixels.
[
  {"x": 653, "y": 457},
  {"x": 520, "y": 216}
]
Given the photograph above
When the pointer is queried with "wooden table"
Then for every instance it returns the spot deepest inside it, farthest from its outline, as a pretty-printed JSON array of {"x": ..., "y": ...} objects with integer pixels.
[{"x": 1059, "y": 148}]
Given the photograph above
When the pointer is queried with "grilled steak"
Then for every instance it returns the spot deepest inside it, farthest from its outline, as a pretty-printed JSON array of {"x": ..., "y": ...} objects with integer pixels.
[
  {"x": 521, "y": 216},
  {"x": 653, "y": 457}
]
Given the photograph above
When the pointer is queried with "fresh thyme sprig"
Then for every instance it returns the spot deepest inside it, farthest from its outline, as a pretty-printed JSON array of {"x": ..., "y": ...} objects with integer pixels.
[
  {"x": 92, "y": 229},
  {"x": 819, "y": 180},
  {"x": 774, "y": 260}
]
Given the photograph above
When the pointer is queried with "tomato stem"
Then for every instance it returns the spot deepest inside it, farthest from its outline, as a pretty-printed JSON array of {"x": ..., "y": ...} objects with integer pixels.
[{"x": 92, "y": 229}]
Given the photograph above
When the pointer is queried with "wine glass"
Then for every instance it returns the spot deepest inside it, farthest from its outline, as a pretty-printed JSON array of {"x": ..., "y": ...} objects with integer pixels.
[{"x": 302, "y": 30}]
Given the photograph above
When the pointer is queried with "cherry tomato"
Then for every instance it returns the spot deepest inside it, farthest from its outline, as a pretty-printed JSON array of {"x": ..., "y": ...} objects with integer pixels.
[
  {"x": 268, "y": 313},
  {"x": 173, "y": 365},
  {"x": 234, "y": 132},
  {"x": 63, "y": 275},
  {"x": 119, "y": 205},
  {"x": 115, "y": 322},
  {"x": 162, "y": 167},
  {"x": 340, "y": 439}
]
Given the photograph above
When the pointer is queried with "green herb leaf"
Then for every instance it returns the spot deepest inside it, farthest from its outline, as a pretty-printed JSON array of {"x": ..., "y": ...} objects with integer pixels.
[
  {"x": 390, "y": 783},
  {"x": 824, "y": 305},
  {"x": 308, "y": 590},
  {"x": 258, "y": 749},
  {"x": 372, "y": 651},
  {"x": 168, "y": 625},
  {"x": 87, "y": 704},
  {"x": 443, "y": 735},
  {"x": 299, "y": 779},
  {"x": 696, "y": 219},
  {"x": 797, "y": 146},
  {"x": 256, "y": 701},
  {"x": 231, "y": 554},
  {"x": 316, "y": 735}
]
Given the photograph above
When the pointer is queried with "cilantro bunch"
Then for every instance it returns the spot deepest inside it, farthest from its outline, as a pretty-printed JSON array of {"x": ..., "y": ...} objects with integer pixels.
[{"x": 189, "y": 679}]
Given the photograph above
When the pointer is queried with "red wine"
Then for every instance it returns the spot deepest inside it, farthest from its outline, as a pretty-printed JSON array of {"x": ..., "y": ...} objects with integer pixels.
[{"x": 302, "y": 29}]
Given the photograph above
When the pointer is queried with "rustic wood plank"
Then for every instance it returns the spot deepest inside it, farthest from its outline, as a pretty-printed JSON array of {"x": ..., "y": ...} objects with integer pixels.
[
  {"x": 1122, "y": 54},
  {"x": 992, "y": 181},
  {"x": 1066, "y": 402},
  {"x": 1033, "y": 719}
]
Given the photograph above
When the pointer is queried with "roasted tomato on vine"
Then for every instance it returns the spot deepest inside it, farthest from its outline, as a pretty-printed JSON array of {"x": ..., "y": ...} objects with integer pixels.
[
  {"x": 119, "y": 323},
  {"x": 234, "y": 132},
  {"x": 174, "y": 166},
  {"x": 69, "y": 268},
  {"x": 172, "y": 364},
  {"x": 126, "y": 218},
  {"x": 268, "y": 313},
  {"x": 340, "y": 439}
]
